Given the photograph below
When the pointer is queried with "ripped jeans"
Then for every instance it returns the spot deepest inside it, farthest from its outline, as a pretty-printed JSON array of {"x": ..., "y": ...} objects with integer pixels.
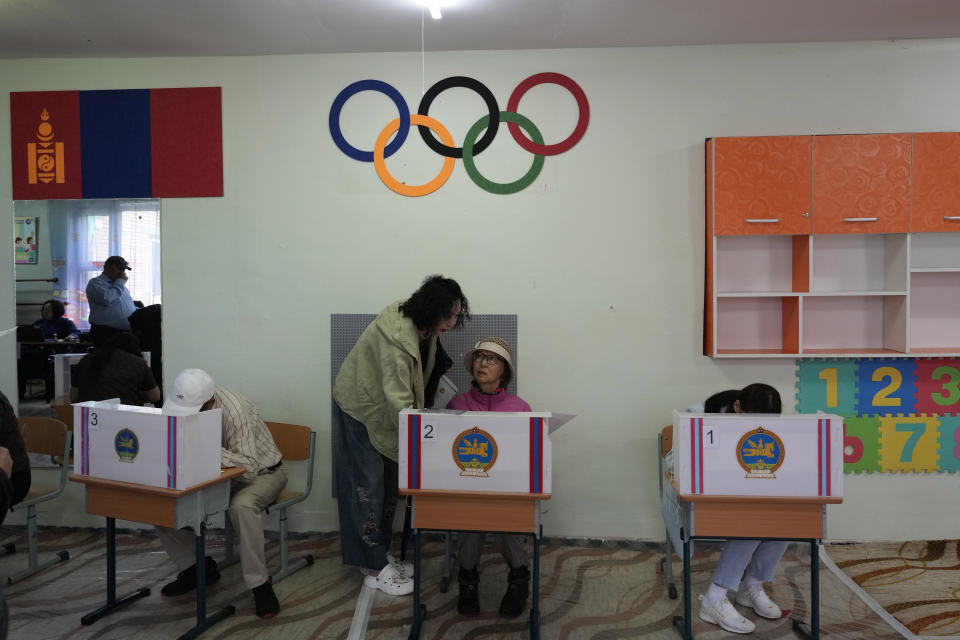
[{"x": 366, "y": 494}]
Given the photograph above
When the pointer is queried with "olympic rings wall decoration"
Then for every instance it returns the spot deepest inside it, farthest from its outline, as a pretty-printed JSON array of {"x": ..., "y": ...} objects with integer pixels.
[{"x": 473, "y": 145}]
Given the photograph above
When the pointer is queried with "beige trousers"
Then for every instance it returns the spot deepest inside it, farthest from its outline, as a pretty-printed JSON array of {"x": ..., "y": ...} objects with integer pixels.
[{"x": 247, "y": 501}]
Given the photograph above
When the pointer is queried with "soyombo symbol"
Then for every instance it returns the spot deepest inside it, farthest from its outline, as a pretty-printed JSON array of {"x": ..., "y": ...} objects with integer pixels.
[{"x": 472, "y": 146}]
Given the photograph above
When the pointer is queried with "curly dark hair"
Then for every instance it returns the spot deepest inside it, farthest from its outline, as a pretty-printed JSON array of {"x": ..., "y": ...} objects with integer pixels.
[
  {"x": 55, "y": 306},
  {"x": 433, "y": 301}
]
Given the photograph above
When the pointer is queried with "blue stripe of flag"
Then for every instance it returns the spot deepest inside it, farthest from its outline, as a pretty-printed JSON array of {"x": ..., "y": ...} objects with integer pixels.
[{"x": 115, "y": 144}]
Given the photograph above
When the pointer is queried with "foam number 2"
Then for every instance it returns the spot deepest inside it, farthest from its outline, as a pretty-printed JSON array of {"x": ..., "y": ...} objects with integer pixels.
[{"x": 886, "y": 387}]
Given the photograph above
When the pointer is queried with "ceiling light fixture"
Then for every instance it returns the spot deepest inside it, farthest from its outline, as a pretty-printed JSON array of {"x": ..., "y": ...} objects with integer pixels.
[{"x": 434, "y": 6}]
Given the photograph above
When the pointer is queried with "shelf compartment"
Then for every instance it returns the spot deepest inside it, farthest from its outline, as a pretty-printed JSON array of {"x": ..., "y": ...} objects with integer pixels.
[
  {"x": 767, "y": 264},
  {"x": 854, "y": 324},
  {"x": 761, "y": 325},
  {"x": 859, "y": 262},
  {"x": 935, "y": 251},
  {"x": 934, "y": 311}
]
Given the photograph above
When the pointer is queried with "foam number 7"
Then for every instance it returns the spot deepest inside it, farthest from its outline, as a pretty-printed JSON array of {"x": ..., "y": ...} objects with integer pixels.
[
  {"x": 915, "y": 429},
  {"x": 882, "y": 397}
]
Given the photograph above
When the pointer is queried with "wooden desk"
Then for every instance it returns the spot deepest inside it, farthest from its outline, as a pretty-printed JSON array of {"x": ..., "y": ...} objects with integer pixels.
[
  {"x": 162, "y": 507},
  {"x": 436, "y": 510},
  {"x": 791, "y": 519}
]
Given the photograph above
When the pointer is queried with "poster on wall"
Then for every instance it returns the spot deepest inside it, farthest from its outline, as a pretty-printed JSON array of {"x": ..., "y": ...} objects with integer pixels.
[{"x": 25, "y": 240}]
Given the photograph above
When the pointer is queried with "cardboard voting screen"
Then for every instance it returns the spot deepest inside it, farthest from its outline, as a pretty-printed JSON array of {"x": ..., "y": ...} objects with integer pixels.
[
  {"x": 758, "y": 454},
  {"x": 143, "y": 446},
  {"x": 485, "y": 451}
]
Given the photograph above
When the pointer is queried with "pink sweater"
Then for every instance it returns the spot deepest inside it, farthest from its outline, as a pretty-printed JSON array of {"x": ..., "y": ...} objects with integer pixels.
[{"x": 475, "y": 400}]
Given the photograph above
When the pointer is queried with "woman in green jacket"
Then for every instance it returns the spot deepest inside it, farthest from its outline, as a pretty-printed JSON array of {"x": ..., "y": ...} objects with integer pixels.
[{"x": 383, "y": 375}]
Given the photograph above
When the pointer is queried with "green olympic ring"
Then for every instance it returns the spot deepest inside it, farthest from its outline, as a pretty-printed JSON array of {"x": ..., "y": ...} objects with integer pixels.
[{"x": 498, "y": 187}]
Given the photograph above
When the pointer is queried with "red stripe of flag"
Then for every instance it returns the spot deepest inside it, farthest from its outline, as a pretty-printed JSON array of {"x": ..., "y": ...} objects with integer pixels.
[
  {"x": 700, "y": 450},
  {"x": 186, "y": 142},
  {"x": 820, "y": 457},
  {"x": 829, "y": 467},
  {"x": 532, "y": 462},
  {"x": 45, "y": 145}
]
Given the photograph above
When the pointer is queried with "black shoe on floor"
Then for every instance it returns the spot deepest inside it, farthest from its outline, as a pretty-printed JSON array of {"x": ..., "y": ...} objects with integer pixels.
[
  {"x": 518, "y": 588},
  {"x": 265, "y": 600},
  {"x": 187, "y": 579},
  {"x": 468, "y": 602}
]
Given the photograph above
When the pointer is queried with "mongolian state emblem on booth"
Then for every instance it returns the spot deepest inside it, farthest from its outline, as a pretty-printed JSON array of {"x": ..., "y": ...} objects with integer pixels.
[
  {"x": 475, "y": 452},
  {"x": 126, "y": 445},
  {"x": 760, "y": 452}
]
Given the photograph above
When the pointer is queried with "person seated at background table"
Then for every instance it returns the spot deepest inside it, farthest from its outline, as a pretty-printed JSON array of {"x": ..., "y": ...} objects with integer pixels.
[
  {"x": 54, "y": 325},
  {"x": 115, "y": 369},
  {"x": 744, "y": 565},
  {"x": 491, "y": 364},
  {"x": 248, "y": 443},
  {"x": 384, "y": 374},
  {"x": 12, "y": 439},
  {"x": 109, "y": 300}
]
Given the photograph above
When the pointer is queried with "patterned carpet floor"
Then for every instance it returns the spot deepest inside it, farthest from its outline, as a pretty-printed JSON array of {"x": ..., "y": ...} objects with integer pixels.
[
  {"x": 916, "y": 582},
  {"x": 588, "y": 590}
]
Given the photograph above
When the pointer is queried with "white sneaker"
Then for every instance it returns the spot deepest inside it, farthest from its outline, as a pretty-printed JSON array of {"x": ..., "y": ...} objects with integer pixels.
[
  {"x": 390, "y": 581},
  {"x": 723, "y": 614},
  {"x": 754, "y": 596},
  {"x": 406, "y": 568}
]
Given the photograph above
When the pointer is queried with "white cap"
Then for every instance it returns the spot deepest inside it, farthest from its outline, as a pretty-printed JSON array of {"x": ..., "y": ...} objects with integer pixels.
[{"x": 190, "y": 390}]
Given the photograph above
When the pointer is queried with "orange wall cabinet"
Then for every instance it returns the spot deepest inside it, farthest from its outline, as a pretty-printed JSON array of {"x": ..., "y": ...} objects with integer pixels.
[
  {"x": 861, "y": 183},
  {"x": 936, "y": 182},
  {"x": 762, "y": 185},
  {"x": 854, "y": 281}
]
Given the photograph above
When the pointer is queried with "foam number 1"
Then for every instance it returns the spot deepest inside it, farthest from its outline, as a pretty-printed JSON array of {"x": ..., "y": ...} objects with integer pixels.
[{"x": 829, "y": 376}]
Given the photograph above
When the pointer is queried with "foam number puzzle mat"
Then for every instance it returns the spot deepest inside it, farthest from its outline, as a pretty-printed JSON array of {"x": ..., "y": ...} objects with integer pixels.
[{"x": 900, "y": 414}]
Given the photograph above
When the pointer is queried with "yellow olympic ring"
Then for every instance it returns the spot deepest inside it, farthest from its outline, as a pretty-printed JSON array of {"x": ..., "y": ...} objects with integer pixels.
[{"x": 406, "y": 189}]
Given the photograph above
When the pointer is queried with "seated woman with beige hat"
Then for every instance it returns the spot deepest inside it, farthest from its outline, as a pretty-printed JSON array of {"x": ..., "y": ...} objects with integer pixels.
[{"x": 491, "y": 364}]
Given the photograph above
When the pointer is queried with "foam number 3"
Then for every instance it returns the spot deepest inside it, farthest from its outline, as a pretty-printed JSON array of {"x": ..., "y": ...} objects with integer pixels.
[
  {"x": 951, "y": 388},
  {"x": 882, "y": 397}
]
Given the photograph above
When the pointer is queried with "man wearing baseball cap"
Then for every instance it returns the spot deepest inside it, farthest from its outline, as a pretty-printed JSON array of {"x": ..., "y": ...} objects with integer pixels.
[
  {"x": 246, "y": 442},
  {"x": 109, "y": 300}
]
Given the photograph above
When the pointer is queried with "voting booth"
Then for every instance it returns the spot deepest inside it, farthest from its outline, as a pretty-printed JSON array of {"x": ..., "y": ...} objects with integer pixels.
[
  {"x": 748, "y": 475},
  {"x": 143, "y": 445},
  {"x": 476, "y": 471},
  {"x": 482, "y": 451},
  {"x": 62, "y": 376}
]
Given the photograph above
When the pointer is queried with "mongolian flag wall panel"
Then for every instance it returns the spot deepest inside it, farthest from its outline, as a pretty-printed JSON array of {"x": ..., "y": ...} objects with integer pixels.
[{"x": 136, "y": 143}]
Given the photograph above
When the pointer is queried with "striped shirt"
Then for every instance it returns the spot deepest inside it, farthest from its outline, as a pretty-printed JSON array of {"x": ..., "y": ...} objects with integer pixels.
[{"x": 246, "y": 441}]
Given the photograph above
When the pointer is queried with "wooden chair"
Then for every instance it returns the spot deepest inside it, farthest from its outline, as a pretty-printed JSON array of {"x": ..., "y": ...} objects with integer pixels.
[
  {"x": 296, "y": 442},
  {"x": 51, "y": 437}
]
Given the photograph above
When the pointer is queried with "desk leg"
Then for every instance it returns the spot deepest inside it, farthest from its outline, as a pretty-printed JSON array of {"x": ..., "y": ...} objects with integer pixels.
[
  {"x": 684, "y": 625},
  {"x": 535, "y": 608},
  {"x": 419, "y": 611},
  {"x": 203, "y": 622},
  {"x": 813, "y": 631},
  {"x": 112, "y": 602}
]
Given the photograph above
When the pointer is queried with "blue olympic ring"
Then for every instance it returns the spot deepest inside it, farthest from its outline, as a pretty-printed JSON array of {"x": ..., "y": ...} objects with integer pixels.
[{"x": 349, "y": 92}]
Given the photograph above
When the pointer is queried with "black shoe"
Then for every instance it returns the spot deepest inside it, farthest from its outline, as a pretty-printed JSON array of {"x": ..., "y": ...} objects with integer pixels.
[
  {"x": 468, "y": 602},
  {"x": 187, "y": 579},
  {"x": 265, "y": 600},
  {"x": 518, "y": 588}
]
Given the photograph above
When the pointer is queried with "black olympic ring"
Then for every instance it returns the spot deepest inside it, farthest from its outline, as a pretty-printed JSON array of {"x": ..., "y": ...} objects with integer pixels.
[{"x": 466, "y": 83}]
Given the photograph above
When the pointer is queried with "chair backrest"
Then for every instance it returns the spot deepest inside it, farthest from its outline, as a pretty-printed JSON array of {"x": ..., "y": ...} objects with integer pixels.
[
  {"x": 64, "y": 413},
  {"x": 666, "y": 440},
  {"x": 43, "y": 435},
  {"x": 293, "y": 440}
]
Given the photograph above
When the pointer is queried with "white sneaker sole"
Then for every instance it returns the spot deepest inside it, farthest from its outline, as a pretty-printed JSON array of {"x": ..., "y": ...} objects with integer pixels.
[
  {"x": 707, "y": 618},
  {"x": 760, "y": 613}
]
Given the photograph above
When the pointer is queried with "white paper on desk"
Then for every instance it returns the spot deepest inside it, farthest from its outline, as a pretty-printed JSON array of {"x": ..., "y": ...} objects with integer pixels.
[{"x": 557, "y": 420}]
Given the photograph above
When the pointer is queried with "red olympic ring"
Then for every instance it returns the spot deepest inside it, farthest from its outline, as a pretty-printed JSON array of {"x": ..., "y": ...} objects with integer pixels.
[{"x": 582, "y": 104}]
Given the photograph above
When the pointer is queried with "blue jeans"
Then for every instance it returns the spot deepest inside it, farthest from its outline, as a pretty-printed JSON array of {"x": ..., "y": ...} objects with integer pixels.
[
  {"x": 752, "y": 558},
  {"x": 366, "y": 494}
]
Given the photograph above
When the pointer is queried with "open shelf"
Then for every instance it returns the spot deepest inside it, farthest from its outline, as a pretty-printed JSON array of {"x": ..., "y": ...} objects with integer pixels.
[
  {"x": 856, "y": 263},
  {"x": 758, "y": 324},
  {"x": 849, "y": 324},
  {"x": 935, "y": 251},
  {"x": 934, "y": 310},
  {"x": 773, "y": 264}
]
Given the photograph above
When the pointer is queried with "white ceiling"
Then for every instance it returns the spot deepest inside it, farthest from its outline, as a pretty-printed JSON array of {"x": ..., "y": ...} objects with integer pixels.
[{"x": 138, "y": 28}]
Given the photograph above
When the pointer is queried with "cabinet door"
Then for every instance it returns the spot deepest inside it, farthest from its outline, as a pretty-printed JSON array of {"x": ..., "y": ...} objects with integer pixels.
[
  {"x": 761, "y": 185},
  {"x": 861, "y": 183},
  {"x": 936, "y": 182}
]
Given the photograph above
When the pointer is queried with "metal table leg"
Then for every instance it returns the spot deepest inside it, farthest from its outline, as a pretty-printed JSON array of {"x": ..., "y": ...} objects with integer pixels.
[
  {"x": 112, "y": 601},
  {"x": 203, "y": 622},
  {"x": 684, "y": 624},
  {"x": 419, "y": 611},
  {"x": 535, "y": 607},
  {"x": 813, "y": 631}
]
